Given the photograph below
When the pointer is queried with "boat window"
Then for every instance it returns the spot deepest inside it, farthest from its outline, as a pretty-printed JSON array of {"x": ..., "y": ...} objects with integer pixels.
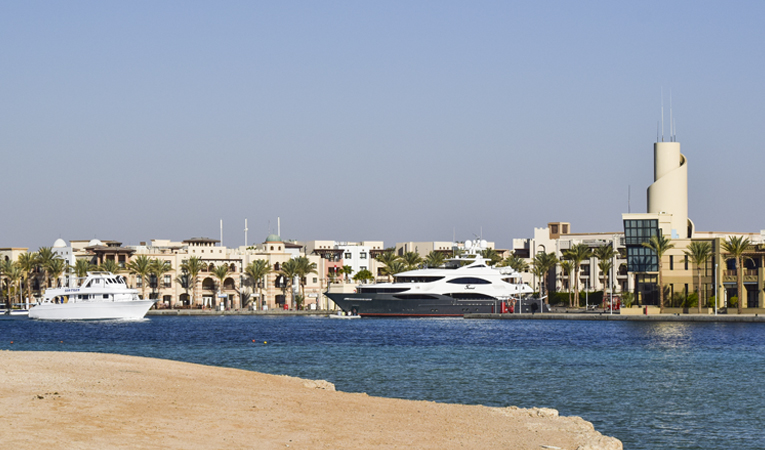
[
  {"x": 470, "y": 296},
  {"x": 468, "y": 280},
  {"x": 476, "y": 267},
  {"x": 374, "y": 290},
  {"x": 106, "y": 295},
  {"x": 415, "y": 297},
  {"x": 417, "y": 279}
]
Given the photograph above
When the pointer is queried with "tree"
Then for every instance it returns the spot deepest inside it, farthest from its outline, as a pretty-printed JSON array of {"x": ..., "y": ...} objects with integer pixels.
[
  {"x": 221, "y": 272},
  {"x": 347, "y": 271},
  {"x": 412, "y": 260},
  {"x": 576, "y": 254},
  {"x": 257, "y": 270},
  {"x": 140, "y": 266},
  {"x": 14, "y": 275},
  {"x": 159, "y": 267},
  {"x": 57, "y": 267},
  {"x": 363, "y": 276},
  {"x": 516, "y": 263},
  {"x": 605, "y": 266},
  {"x": 387, "y": 259},
  {"x": 699, "y": 252},
  {"x": 605, "y": 253},
  {"x": 289, "y": 270},
  {"x": 82, "y": 267},
  {"x": 435, "y": 259},
  {"x": 543, "y": 262},
  {"x": 736, "y": 246},
  {"x": 568, "y": 269},
  {"x": 304, "y": 267},
  {"x": 491, "y": 256},
  {"x": 45, "y": 257},
  {"x": 660, "y": 244},
  {"x": 192, "y": 267},
  {"x": 110, "y": 265},
  {"x": 28, "y": 263},
  {"x": 394, "y": 267}
]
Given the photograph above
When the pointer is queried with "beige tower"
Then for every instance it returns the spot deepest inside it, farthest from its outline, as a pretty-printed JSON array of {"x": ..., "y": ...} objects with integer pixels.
[{"x": 669, "y": 192}]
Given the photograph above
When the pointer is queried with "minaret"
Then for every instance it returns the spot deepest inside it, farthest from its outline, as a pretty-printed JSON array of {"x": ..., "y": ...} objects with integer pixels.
[{"x": 669, "y": 192}]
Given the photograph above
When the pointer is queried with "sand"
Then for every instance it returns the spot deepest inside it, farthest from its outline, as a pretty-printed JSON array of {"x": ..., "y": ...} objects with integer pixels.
[{"x": 63, "y": 400}]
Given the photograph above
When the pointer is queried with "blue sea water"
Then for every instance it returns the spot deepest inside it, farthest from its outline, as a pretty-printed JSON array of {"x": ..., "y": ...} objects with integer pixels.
[{"x": 652, "y": 385}]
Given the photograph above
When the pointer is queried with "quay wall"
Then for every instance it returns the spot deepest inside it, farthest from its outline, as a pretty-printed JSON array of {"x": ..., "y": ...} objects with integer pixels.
[
  {"x": 209, "y": 312},
  {"x": 752, "y": 318}
]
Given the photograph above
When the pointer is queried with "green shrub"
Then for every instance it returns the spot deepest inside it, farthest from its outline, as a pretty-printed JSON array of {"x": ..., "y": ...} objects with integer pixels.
[
  {"x": 692, "y": 301},
  {"x": 733, "y": 301}
]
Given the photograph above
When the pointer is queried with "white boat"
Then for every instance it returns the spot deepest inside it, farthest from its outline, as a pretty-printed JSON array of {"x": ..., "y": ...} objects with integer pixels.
[
  {"x": 101, "y": 295},
  {"x": 344, "y": 315},
  {"x": 467, "y": 284}
]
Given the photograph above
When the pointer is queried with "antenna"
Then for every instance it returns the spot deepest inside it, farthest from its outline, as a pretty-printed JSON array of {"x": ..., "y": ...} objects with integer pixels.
[
  {"x": 279, "y": 226},
  {"x": 629, "y": 198},
  {"x": 245, "y": 233},
  {"x": 671, "y": 130},
  {"x": 662, "y": 114},
  {"x": 221, "y": 232}
]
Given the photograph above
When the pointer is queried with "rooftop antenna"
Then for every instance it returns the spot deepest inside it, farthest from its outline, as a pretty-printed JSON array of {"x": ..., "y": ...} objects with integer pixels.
[
  {"x": 279, "y": 226},
  {"x": 671, "y": 123},
  {"x": 629, "y": 198},
  {"x": 662, "y": 114},
  {"x": 245, "y": 232},
  {"x": 221, "y": 232}
]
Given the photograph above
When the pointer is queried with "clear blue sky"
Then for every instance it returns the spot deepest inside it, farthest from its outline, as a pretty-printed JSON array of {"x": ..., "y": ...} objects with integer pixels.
[{"x": 391, "y": 121}]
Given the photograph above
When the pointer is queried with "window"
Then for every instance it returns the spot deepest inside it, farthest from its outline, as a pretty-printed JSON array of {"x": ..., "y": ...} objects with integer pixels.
[
  {"x": 363, "y": 268},
  {"x": 671, "y": 262},
  {"x": 363, "y": 255},
  {"x": 167, "y": 281},
  {"x": 686, "y": 262},
  {"x": 347, "y": 255},
  {"x": 315, "y": 280},
  {"x": 468, "y": 280},
  {"x": 138, "y": 281}
]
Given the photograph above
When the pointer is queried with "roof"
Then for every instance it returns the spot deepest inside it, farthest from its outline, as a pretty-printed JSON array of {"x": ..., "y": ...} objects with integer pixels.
[{"x": 273, "y": 238}]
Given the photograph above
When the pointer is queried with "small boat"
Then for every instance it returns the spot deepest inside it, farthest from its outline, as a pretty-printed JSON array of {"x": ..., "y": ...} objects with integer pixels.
[
  {"x": 343, "y": 315},
  {"x": 100, "y": 295}
]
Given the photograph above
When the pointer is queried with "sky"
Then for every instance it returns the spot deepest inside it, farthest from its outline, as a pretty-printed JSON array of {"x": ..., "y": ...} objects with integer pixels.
[{"x": 359, "y": 120}]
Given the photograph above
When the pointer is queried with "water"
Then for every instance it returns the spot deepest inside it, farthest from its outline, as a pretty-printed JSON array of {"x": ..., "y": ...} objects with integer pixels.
[{"x": 652, "y": 385}]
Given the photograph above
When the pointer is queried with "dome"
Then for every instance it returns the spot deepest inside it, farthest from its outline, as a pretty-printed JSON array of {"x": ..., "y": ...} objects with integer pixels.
[
  {"x": 60, "y": 243},
  {"x": 273, "y": 238},
  {"x": 95, "y": 243}
]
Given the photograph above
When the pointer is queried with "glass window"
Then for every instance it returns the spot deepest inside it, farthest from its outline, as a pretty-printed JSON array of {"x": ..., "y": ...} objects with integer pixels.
[
  {"x": 363, "y": 255},
  {"x": 347, "y": 255}
]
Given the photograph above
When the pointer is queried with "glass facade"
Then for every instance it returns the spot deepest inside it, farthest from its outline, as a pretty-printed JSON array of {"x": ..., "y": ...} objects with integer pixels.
[{"x": 636, "y": 232}]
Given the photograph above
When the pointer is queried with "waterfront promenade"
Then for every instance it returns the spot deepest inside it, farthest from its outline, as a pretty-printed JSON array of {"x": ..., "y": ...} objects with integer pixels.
[{"x": 729, "y": 318}]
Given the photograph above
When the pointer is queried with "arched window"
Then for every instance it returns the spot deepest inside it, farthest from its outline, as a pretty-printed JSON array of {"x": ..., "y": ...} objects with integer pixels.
[
  {"x": 232, "y": 267},
  {"x": 276, "y": 267}
]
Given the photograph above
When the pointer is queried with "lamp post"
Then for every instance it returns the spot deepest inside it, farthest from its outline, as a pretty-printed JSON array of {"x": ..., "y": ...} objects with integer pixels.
[{"x": 717, "y": 290}]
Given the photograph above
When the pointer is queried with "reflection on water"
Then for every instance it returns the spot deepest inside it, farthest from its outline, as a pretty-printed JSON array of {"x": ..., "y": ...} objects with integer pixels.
[{"x": 652, "y": 385}]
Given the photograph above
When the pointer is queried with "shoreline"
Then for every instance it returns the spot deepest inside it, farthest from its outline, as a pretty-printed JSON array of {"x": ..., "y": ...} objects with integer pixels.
[{"x": 94, "y": 400}]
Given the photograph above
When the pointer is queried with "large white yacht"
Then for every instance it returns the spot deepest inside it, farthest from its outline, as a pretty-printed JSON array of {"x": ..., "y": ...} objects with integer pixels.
[
  {"x": 100, "y": 295},
  {"x": 467, "y": 284}
]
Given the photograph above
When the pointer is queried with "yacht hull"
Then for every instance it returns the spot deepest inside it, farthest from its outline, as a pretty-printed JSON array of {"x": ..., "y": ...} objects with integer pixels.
[
  {"x": 130, "y": 310},
  {"x": 381, "y": 305}
]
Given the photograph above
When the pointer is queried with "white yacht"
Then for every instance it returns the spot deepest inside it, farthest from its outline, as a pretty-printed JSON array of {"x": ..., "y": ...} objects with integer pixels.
[
  {"x": 466, "y": 285},
  {"x": 100, "y": 295}
]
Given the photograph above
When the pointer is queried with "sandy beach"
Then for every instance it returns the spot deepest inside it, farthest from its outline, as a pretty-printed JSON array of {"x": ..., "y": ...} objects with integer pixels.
[{"x": 95, "y": 401}]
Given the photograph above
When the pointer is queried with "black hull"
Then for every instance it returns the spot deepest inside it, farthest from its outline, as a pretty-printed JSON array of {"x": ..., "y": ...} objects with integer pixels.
[{"x": 385, "y": 305}]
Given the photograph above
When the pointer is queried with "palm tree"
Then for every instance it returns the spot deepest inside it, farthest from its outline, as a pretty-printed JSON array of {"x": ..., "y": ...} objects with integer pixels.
[
  {"x": 412, "y": 260},
  {"x": 221, "y": 272},
  {"x": 605, "y": 253},
  {"x": 363, "y": 276},
  {"x": 699, "y": 252},
  {"x": 660, "y": 244},
  {"x": 257, "y": 270},
  {"x": 13, "y": 273},
  {"x": 140, "y": 266},
  {"x": 576, "y": 254},
  {"x": 491, "y": 256},
  {"x": 82, "y": 267},
  {"x": 387, "y": 259},
  {"x": 6, "y": 267},
  {"x": 347, "y": 271},
  {"x": 605, "y": 266},
  {"x": 110, "y": 265},
  {"x": 305, "y": 267},
  {"x": 435, "y": 259},
  {"x": 568, "y": 269},
  {"x": 192, "y": 267},
  {"x": 158, "y": 268},
  {"x": 736, "y": 246},
  {"x": 57, "y": 267},
  {"x": 45, "y": 256},
  {"x": 543, "y": 262},
  {"x": 516, "y": 263},
  {"x": 289, "y": 270},
  {"x": 28, "y": 263},
  {"x": 394, "y": 267}
]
